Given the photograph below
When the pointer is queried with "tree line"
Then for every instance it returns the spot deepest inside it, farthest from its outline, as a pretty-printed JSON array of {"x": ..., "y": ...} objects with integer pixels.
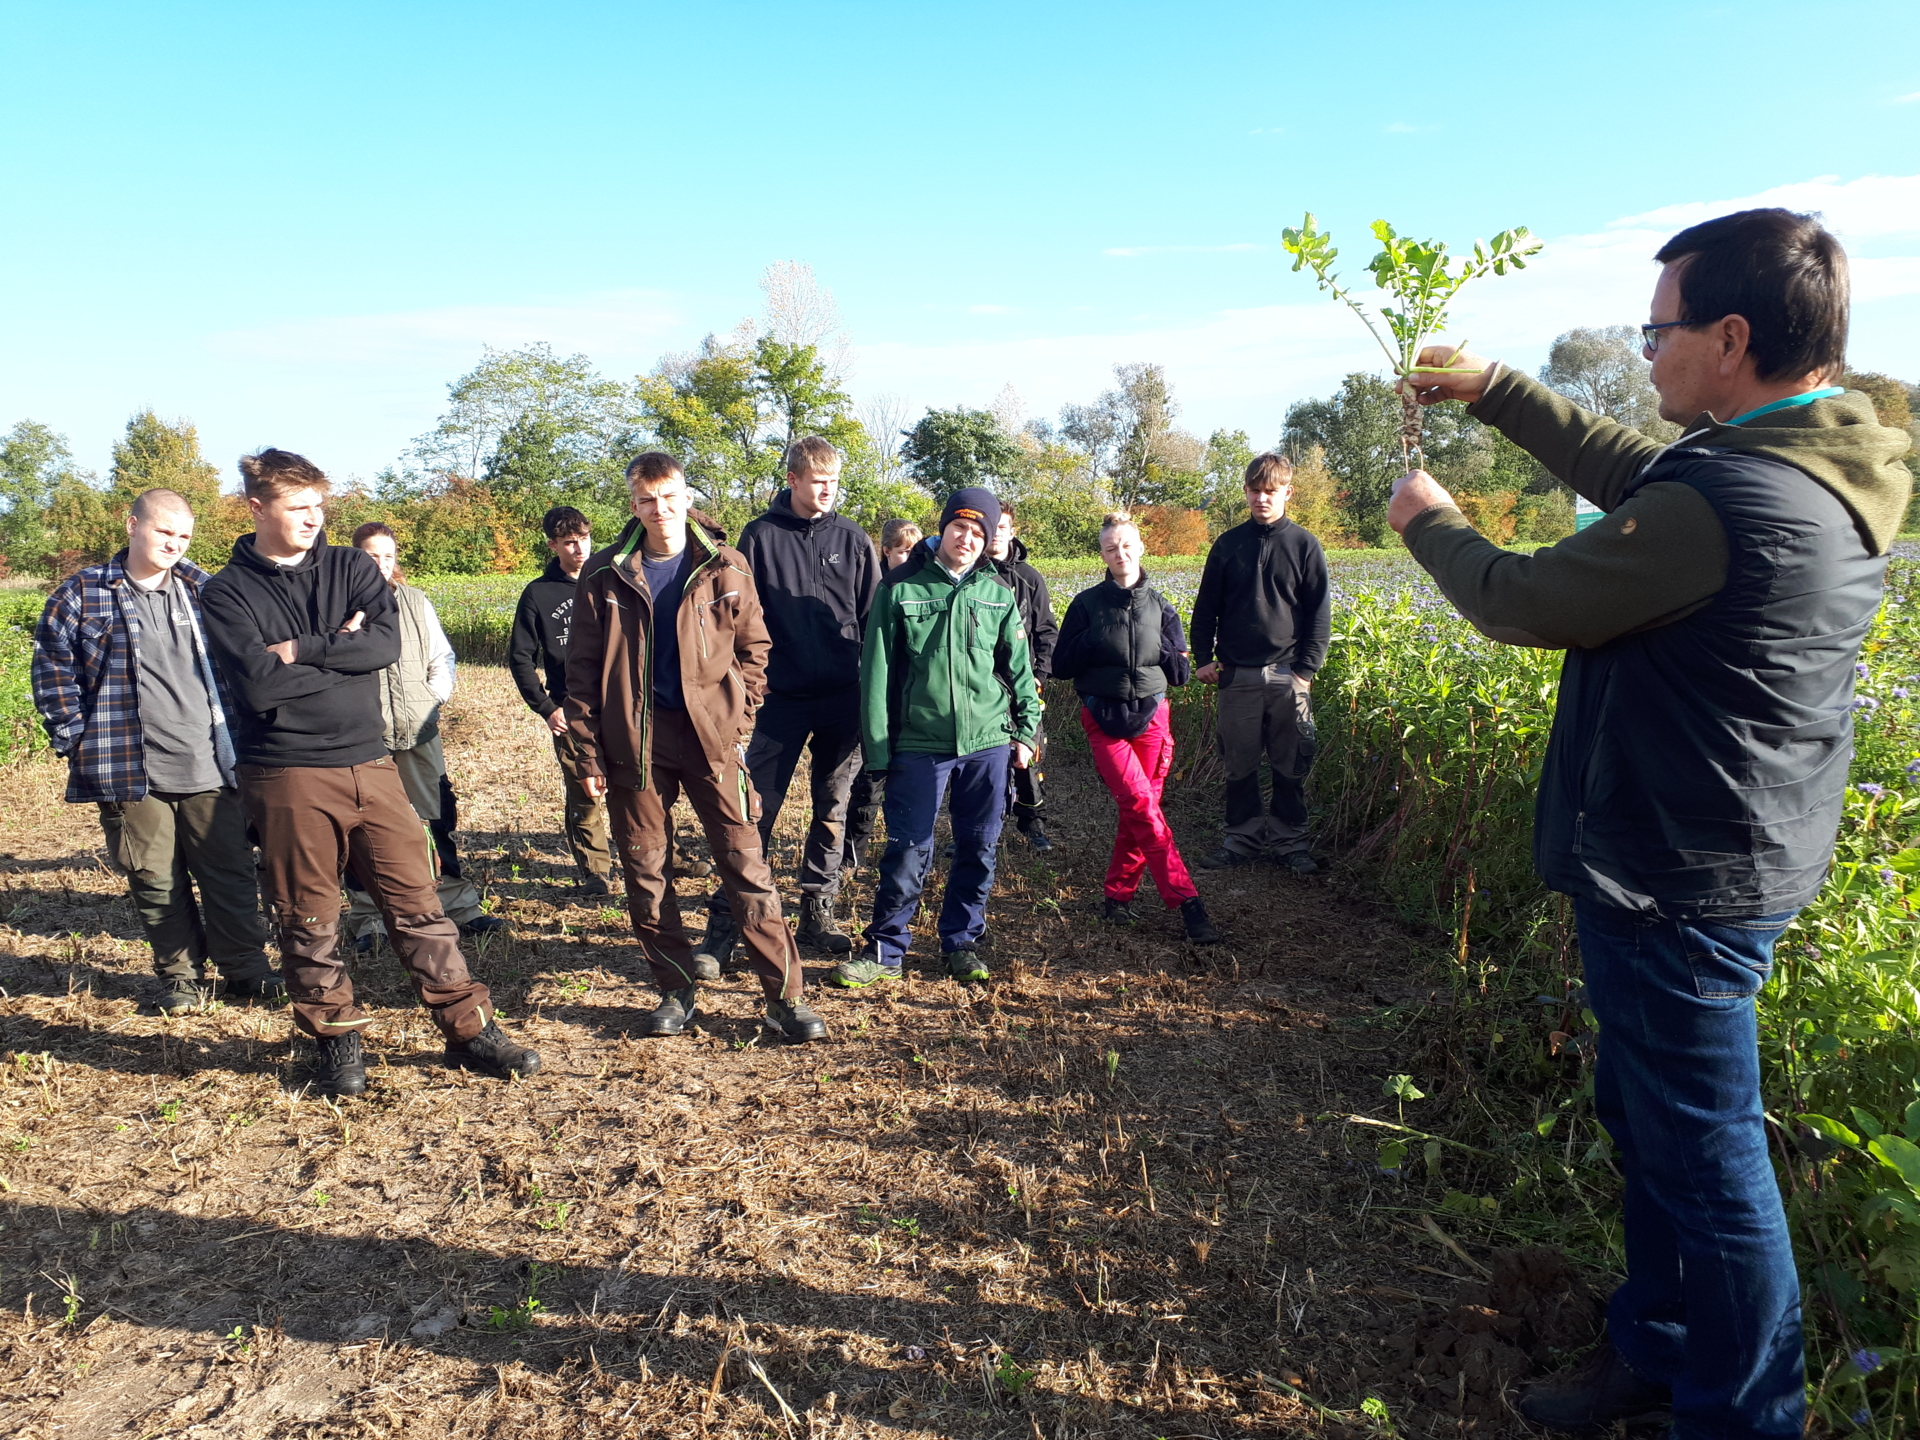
[{"x": 526, "y": 429}]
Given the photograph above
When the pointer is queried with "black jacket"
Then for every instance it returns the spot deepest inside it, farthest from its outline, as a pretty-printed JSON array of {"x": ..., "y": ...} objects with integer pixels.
[
  {"x": 1264, "y": 599},
  {"x": 816, "y": 580},
  {"x": 1036, "y": 607},
  {"x": 1121, "y": 649},
  {"x": 537, "y": 649},
  {"x": 323, "y": 711},
  {"x": 1697, "y": 770}
]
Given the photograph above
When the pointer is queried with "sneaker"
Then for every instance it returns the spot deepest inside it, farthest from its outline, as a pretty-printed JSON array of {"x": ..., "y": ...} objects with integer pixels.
[
  {"x": 340, "y": 1067},
  {"x": 718, "y": 944},
  {"x": 591, "y": 886},
  {"x": 492, "y": 1053},
  {"x": 185, "y": 997},
  {"x": 1592, "y": 1395},
  {"x": 257, "y": 987},
  {"x": 862, "y": 971},
  {"x": 1119, "y": 912},
  {"x": 794, "y": 1020},
  {"x": 965, "y": 966},
  {"x": 483, "y": 925},
  {"x": 818, "y": 927},
  {"x": 1223, "y": 858},
  {"x": 1036, "y": 834},
  {"x": 1300, "y": 863},
  {"x": 1200, "y": 930},
  {"x": 672, "y": 1015}
]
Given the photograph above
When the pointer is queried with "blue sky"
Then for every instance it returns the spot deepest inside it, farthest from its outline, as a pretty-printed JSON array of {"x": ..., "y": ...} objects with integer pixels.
[{"x": 295, "y": 224}]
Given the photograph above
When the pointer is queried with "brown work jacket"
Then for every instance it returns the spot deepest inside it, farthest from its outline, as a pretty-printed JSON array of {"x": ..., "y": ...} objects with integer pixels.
[{"x": 723, "y": 656}]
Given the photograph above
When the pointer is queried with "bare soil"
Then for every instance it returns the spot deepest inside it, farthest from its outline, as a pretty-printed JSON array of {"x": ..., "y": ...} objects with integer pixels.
[{"x": 1089, "y": 1199}]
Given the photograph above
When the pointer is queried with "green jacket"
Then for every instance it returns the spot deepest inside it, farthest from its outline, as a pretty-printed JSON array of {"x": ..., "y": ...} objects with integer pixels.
[
  {"x": 945, "y": 669},
  {"x": 1661, "y": 553}
]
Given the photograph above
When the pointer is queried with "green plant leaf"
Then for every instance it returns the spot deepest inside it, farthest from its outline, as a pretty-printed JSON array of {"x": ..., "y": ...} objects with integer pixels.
[
  {"x": 1900, "y": 1156},
  {"x": 1831, "y": 1129},
  {"x": 1869, "y": 1126},
  {"x": 1393, "y": 1154}
]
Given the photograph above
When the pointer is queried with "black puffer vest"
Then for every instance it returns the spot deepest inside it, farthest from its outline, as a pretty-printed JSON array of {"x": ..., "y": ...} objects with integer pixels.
[
  {"x": 1124, "y": 640},
  {"x": 1697, "y": 770}
]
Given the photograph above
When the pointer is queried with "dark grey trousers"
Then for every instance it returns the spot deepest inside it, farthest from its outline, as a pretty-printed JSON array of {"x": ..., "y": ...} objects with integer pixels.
[
  {"x": 166, "y": 846},
  {"x": 1265, "y": 714}
]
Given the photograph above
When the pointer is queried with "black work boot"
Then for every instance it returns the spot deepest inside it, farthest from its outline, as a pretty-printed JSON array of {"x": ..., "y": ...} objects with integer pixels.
[
  {"x": 716, "y": 948},
  {"x": 1119, "y": 912},
  {"x": 672, "y": 1015},
  {"x": 185, "y": 997},
  {"x": 591, "y": 885},
  {"x": 492, "y": 1053},
  {"x": 1592, "y": 1395},
  {"x": 340, "y": 1068},
  {"x": 794, "y": 1020},
  {"x": 1036, "y": 832},
  {"x": 1200, "y": 930},
  {"x": 257, "y": 987},
  {"x": 685, "y": 862},
  {"x": 818, "y": 927}
]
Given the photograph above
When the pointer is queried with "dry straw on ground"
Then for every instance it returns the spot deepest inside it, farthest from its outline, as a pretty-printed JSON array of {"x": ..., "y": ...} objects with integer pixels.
[{"x": 1089, "y": 1199}]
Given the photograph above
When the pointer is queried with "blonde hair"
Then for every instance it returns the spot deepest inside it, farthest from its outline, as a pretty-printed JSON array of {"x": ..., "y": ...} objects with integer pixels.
[
  {"x": 1114, "y": 519},
  {"x": 896, "y": 533}
]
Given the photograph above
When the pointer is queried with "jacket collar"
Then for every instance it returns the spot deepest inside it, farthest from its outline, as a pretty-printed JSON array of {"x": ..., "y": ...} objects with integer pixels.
[
  {"x": 780, "y": 511},
  {"x": 114, "y": 572},
  {"x": 245, "y": 554}
]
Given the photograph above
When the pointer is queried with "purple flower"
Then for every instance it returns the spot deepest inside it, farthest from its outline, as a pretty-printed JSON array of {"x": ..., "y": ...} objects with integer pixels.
[
  {"x": 1887, "y": 877},
  {"x": 1900, "y": 692},
  {"x": 1860, "y": 670},
  {"x": 1869, "y": 788},
  {"x": 1866, "y": 1361},
  {"x": 914, "y": 1352},
  {"x": 1913, "y": 767},
  {"x": 1865, "y": 702}
]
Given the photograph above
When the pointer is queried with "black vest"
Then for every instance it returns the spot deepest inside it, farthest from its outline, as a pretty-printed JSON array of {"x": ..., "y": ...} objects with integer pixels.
[
  {"x": 1123, "y": 642},
  {"x": 1697, "y": 770}
]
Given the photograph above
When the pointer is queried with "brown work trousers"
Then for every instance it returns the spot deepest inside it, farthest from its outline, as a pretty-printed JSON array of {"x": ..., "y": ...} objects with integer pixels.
[
  {"x": 729, "y": 812},
  {"x": 311, "y": 821},
  {"x": 586, "y": 816}
]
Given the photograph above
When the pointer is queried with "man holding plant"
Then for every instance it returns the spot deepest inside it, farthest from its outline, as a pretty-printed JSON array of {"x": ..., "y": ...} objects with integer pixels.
[{"x": 1692, "y": 788}]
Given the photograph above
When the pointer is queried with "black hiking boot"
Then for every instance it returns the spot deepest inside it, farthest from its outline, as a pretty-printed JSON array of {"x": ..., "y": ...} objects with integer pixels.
[
  {"x": 682, "y": 861},
  {"x": 672, "y": 1015},
  {"x": 492, "y": 1053},
  {"x": 715, "y": 954},
  {"x": 1223, "y": 859},
  {"x": 1200, "y": 930},
  {"x": 257, "y": 987},
  {"x": 819, "y": 928},
  {"x": 966, "y": 967},
  {"x": 340, "y": 1067},
  {"x": 794, "y": 1020},
  {"x": 1036, "y": 833},
  {"x": 1593, "y": 1395},
  {"x": 1300, "y": 863},
  {"x": 185, "y": 997},
  {"x": 592, "y": 886},
  {"x": 1119, "y": 912}
]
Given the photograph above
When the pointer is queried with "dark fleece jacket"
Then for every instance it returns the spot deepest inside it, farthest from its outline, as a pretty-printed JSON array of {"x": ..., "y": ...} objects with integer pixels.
[
  {"x": 1036, "y": 607},
  {"x": 816, "y": 580},
  {"x": 322, "y": 711}
]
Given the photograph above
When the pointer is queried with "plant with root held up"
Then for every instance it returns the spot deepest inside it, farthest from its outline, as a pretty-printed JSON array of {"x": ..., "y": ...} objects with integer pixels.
[{"x": 1417, "y": 274}]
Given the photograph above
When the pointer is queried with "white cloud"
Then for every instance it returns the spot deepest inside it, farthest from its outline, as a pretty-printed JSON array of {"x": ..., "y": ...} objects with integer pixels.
[
  {"x": 1913, "y": 99},
  {"x": 1129, "y": 252},
  {"x": 990, "y": 310}
]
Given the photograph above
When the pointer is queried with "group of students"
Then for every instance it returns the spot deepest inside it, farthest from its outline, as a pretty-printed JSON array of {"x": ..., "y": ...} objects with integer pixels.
[{"x": 292, "y": 701}]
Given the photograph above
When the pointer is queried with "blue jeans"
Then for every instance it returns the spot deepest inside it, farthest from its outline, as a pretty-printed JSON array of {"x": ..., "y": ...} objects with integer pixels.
[
  {"x": 915, "y": 784},
  {"x": 1711, "y": 1305}
]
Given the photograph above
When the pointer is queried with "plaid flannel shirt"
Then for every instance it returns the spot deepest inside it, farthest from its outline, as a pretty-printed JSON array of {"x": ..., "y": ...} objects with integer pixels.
[{"x": 86, "y": 681}]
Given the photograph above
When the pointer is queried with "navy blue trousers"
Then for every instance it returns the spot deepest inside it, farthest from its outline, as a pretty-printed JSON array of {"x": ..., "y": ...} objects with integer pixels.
[{"x": 915, "y": 785}]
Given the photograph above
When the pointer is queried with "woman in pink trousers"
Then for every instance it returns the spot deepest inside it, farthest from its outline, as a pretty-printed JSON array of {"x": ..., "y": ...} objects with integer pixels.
[{"x": 1122, "y": 645}]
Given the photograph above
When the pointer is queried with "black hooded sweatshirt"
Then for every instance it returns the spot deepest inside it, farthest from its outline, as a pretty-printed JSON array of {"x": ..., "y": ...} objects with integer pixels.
[
  {"x": 322, "y": 711},
  {"x": 1264, "y": 599},
  {"x": 1036, "y": 607},
  {"x": 537, "y": 651},
  {"x": 816, "y": 580}
]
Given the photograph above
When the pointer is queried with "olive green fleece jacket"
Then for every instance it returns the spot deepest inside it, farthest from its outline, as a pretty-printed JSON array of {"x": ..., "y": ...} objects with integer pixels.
[{"x": 1660, "y": 553}]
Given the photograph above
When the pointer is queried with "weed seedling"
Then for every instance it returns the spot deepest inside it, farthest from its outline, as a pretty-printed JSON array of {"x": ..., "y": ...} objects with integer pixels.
[{"x": 170, "y": 1112}]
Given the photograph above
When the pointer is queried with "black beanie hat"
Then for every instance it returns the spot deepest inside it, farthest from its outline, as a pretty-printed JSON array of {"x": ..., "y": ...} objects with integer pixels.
[{"x": 975, "y": 503}]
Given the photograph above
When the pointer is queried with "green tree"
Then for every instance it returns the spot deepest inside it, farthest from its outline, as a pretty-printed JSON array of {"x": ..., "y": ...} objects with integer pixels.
[
  {"x": 709, "y": 409},
  {"x": 950, "y": 449},
  {"x": 1602, "y": 369},
  {"x": 35, "y": 464},
  {"x": 596, "y": 416},
  {"x": 156, "y": 455},
  {"x": 1359, "y": 432},
  {"x": 1137, "y": 450},
  {"x": 1228, "y": 454}
]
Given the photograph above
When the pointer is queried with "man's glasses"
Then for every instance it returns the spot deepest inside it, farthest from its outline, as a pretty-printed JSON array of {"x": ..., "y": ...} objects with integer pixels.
[{"x": 1650, "y": 334}]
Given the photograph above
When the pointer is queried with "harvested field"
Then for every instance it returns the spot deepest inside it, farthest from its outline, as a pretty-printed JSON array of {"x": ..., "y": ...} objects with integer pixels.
[{"x": 1092, "y": 1199}]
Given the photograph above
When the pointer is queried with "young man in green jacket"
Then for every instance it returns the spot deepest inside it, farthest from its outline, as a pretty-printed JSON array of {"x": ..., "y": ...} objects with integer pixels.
[{"x": 947, "y": 699}]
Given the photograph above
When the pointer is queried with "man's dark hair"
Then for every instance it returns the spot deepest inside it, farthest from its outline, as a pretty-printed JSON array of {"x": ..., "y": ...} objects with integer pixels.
[
  {"x": 652, "y": 466},
  {"x": 1006, "y": 510},
  {"x": 271, "y": 473},
  {"x": 562, "y": 521},
  {"x": 1784, "y": 273},
  {"x": 812, "y": 455}
]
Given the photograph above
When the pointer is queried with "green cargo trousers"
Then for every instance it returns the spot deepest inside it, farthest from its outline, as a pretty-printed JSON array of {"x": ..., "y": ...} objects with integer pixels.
[{"x": 167, "y": 845}]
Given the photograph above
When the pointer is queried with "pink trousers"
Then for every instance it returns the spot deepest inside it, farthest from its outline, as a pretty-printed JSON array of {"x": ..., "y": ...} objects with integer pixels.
[{"x": 1135, "y": 771}]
